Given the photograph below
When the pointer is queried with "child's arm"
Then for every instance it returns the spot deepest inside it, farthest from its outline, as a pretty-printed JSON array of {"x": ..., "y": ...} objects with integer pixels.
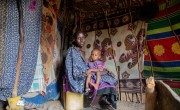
[
  {"x": 92, "y": 70},
  {"x": 100, "y": 68}
]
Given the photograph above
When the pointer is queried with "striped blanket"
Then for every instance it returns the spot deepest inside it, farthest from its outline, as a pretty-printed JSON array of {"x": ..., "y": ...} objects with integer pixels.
[{"x": 163, "y": 44}]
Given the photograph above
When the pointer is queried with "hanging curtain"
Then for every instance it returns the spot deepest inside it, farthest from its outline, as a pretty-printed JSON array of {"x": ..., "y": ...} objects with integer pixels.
[
  {"x": 3, "y": 23},
  {"x": 31, "y": 27},
  {"x": 11, "y": 50}
]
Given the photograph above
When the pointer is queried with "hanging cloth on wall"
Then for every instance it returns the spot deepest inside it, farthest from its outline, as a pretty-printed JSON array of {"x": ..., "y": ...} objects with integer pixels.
[
  {"x": 35, "y": 100},
  {"x": 3, "y": 17},
  {"x": 38, "y": 82},
  {"x": 11, "y": 50},
  {"x": 47, "y": 41},
  {"x": 32, "y": 29}
]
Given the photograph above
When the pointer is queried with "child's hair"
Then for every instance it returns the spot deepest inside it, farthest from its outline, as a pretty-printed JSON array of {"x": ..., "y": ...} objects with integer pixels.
[{"x": 96, "y": 49}]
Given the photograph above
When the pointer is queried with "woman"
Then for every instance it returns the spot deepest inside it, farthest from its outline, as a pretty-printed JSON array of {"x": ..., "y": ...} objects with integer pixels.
[
  {"x": 75, "y": 64},
  {"x": 76, "y": 67},
  {"x": 76, "y": 70}
]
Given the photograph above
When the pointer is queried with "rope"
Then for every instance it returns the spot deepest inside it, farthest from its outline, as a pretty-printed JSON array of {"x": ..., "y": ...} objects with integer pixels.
[
  {"x": 147, "y": 48},
  {"x": 95, "y": 31},
  {"x": 113, "y": 52},
  {"x": 140, "y": 76}
]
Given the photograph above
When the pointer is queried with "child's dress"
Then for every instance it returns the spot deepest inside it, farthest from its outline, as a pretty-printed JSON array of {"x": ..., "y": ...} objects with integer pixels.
[{"x": 104, "y": 76}]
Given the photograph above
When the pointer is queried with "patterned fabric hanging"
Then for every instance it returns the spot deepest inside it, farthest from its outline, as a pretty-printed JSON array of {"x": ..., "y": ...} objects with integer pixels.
[
  {"x": 32, "y": 11},
  {"x": 11, "y": 50},
  {"x": 3, "y": 17},
  {"x": 32, "y": 27},
  {"x": 48, "y": 36}
]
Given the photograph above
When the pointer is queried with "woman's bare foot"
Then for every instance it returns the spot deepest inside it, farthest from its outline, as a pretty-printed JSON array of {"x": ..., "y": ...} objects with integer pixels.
[{"x": 96, "y": 86}]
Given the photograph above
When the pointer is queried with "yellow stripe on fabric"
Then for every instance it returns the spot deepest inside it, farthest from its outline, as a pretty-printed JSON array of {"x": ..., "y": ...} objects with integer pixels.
[
  {"x": 164, "y": 29},
  {"x": 163, "y": 69}
]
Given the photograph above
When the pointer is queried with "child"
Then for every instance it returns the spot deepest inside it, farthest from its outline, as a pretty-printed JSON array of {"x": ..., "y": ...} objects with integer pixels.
[{"x": 97, "y": 71}]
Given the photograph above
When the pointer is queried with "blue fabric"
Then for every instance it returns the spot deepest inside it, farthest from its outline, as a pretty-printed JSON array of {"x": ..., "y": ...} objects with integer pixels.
[
  {"x": 163, "y": 64},
  {"x": 3, "y": 23},
  {"x": 163, "y": 35},
  {"x": 11, "y": 50},
  {"x": 75, "y": 70},
  {"x": 52, "y": 93},
  {"x": 32, "y": 31}
]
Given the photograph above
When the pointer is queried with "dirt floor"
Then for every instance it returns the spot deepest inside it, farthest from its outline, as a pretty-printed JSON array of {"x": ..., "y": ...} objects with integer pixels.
[{"x": 122, "y": 105}]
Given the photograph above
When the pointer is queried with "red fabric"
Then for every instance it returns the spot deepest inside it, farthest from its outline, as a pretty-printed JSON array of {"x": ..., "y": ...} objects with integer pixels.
[
  {"x": 168, "y": 55},
  {"x": 173, "y": 84}
]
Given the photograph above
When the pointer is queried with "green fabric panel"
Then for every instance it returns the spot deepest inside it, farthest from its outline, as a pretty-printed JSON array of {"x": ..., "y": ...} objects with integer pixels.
[
  {"x": 165, "y": 29},
  {"x": 164, "y": 23},
  {"x": 154, "y": 20},
  {"x": 163, "y": 69},
  {"x": 163, "y": 75}
]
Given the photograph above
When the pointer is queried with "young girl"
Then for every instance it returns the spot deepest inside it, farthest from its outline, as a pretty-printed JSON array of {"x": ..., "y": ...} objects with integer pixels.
[{"x": 97, "y": 71}]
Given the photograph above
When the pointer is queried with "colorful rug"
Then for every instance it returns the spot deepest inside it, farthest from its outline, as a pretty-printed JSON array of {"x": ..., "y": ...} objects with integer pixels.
[
  {"x": 3, "y": 17},
  {"x": 163, "y": 45},
  {"x": 123, "y": 50},
  {"x": 132, "y": 85},
  {"x": 11, "y": 50}
]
